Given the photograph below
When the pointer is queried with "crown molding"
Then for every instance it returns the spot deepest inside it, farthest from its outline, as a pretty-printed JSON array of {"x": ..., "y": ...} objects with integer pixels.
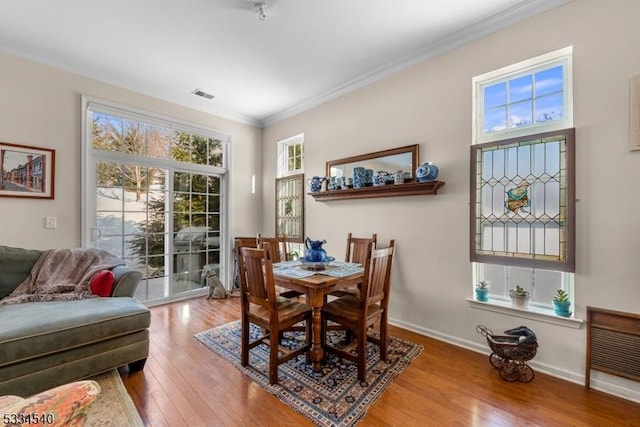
[
  {"x": 44, "y": 58},
  {"x": 517, "y": 13},
  {"x": 521, "y": 11}
]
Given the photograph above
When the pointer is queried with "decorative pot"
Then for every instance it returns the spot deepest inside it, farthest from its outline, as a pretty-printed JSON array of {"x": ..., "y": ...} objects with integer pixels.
[
  {"x": 314, "y": 252},
  {"x": 426, "y": 172},
  {"x": 482, "y": 294},
  {"x": 520, "y": 301},
  {"x": 359, "y": 178},
  {"x": 331, "y": 183},
  {"x": 315, "y": 183},
  {"x": 368, "y": 176},
  {"x": 562, "y": 308},
  {"x": 380, "y": 178}
]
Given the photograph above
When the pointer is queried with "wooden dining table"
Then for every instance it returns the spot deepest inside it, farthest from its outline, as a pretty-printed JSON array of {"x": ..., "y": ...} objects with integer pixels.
[{"x": 316, "y": 287}]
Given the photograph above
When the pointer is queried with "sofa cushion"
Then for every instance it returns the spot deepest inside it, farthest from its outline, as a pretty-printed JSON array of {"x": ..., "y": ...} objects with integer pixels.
[
  {"x": 35, "y": 329},
  {"x": 101, "y": 283},
  {"x": 15, "y": 265}
]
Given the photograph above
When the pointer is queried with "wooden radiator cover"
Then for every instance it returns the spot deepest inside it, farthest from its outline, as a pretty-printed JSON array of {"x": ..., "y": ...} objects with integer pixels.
[{"x": 613, "y": 343}]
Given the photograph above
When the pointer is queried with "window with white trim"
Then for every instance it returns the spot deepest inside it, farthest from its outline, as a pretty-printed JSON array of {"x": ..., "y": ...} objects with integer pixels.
[
  {"x": 291, "y": 156},
  {"x": 532, "y": 96},
  {"x": 290, "y": 192},
  {"x": 154, "y": 193},
  {"x": 527, "y": 99}
]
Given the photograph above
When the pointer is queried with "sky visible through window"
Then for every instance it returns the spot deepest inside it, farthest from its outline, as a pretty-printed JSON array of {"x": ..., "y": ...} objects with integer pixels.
[{"x": 524, "y": 101}]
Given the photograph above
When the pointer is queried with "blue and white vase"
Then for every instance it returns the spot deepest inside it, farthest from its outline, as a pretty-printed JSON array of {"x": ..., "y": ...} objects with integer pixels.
[
  {"x": 426, "y": 172},
  {"x": 368, "y": 173},
  {"x": 380, "y": 178},
  {"x": 359, "y": 178}
]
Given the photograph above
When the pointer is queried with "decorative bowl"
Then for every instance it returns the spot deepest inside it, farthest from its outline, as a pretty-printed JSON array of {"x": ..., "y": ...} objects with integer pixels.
[{"x": 316, "y": 265}]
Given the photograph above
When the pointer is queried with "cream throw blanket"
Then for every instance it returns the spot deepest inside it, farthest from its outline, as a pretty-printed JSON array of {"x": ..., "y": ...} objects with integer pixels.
[{"x": 62, "y": 275}]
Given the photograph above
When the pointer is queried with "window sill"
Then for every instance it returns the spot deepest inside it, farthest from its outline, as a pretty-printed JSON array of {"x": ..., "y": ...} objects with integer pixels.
[{"x": 533, "y": 313}]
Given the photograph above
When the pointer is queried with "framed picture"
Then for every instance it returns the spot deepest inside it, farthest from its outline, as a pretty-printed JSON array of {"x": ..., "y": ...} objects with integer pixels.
[
  {"x": 634, "y": 117},
  {"x": 26, "y": 171}
]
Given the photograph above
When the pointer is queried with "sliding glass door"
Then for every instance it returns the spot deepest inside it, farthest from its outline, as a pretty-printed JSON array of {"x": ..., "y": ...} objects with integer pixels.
[{"x": 155, "y": 197}]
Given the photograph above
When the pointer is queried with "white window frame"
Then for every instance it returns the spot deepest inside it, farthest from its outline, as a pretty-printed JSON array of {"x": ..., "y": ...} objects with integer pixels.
[
  {"x": 530, "y": 66},
  {"x": 283, "y": 149},
  {"x": 90, "y": 156},
  {"x": 500, "y": 303}
]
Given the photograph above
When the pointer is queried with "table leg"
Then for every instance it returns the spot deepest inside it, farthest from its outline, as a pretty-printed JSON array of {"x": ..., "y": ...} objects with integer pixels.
[{"x": 316, "y": 298}]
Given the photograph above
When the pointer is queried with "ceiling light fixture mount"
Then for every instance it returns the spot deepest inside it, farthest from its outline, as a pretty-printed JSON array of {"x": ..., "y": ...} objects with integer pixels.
[{"x": 262, "y": 9}]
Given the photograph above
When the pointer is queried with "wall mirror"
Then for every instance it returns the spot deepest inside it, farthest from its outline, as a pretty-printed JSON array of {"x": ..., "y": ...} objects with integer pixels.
[{"x": 392, "y": 160}]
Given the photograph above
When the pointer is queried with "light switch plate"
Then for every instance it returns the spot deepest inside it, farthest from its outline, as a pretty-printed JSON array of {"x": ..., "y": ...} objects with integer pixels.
[{"x": 50, "y": 222}]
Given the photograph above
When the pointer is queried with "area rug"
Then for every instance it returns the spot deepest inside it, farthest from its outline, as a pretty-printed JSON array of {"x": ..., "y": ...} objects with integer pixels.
[
  {"x": 332, "y": 397},
  {"x": 113, "y": 407}
]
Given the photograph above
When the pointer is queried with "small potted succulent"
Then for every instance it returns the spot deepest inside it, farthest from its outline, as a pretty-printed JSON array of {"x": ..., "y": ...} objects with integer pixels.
[
  {"x": 482, "y": 290},
  {"x": 562, "y": 303},
  {"x": 519, "y": 297}
]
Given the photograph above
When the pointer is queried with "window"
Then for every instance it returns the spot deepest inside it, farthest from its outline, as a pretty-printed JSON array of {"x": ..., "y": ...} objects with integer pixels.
[
  {"x": 523, "y": 201},
  {"x": 522, "y": 210},
  {"x": 290, "y": 192},
  {"x": 291, "y": 156},
  {"x": 529, "y": 97},
  {"x": 154, "y": 194}
]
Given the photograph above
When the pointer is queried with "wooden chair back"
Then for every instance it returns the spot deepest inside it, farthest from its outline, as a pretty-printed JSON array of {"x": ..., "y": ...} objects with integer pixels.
[
  {"x": 278, "y": 246},
  {"x": 256, "y": 277},
  {"x": 241, "y": 242},
  {"x": 358, "y": 248},
  {"x": 247, "y": 242},
  {"x": 378, "y": 284}
]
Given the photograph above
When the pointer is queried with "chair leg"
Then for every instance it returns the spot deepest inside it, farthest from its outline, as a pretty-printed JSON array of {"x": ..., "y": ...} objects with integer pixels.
[
  {"x": 273, "y": 356},
  {"x": 383, "y": 337},
  {"x": 308, "y": 340},
  {"x": 244, "y": 344},
  {"x": 362, "y": 356}
]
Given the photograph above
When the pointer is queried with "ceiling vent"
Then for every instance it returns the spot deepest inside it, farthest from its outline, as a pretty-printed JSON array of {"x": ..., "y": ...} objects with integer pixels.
[{"x": 203, "y": 94}]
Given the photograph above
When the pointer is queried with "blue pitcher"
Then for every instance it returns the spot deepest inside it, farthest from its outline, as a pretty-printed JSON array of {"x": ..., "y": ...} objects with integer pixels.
[
  {"x": 314, "y": 252},
  {"x": 315, "y": 183}
]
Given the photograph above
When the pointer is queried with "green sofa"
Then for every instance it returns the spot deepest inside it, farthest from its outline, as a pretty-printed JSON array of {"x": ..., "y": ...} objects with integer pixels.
[{"x": 46, "y": 344}]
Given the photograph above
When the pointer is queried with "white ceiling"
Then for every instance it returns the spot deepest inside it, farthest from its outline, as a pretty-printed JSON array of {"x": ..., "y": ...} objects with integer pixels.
[{"x": 305, "y": 53}]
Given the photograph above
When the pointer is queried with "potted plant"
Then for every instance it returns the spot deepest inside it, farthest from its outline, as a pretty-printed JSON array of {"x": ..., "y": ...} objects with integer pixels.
[
  {"x": 482, "y": 290},
  {"x": 519, "y": 297},
  {"x": 562, "y": 303}
]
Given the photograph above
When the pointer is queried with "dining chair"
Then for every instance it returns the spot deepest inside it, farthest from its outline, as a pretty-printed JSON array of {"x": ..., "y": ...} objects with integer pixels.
[
  {"x": 358, "y": 251},
  {"x": 261, "y": 306},
  {"x": 278, "y": 245},
  {"x": 358, "y": 313},
  {"x": 280, "y": 253},
  {"x": 244, "y": 242}
]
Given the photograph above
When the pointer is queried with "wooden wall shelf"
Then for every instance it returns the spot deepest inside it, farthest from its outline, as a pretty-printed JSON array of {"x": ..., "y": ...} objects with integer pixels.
[{"x": 389, "y": 190}]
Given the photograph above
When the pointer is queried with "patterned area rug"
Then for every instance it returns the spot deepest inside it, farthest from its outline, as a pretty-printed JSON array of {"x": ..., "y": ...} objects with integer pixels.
[
  {"x": 332, "y": 397},
  {"x": 113, "y": 407}
]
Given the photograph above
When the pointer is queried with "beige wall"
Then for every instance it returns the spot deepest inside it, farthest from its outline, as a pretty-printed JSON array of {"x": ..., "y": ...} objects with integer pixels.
[
  {"x": 430, "y": 104},
  {"x": 40, "y": 106}
]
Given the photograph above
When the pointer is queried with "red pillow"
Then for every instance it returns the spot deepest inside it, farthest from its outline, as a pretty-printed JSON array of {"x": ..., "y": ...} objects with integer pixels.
[{"x": 102, "y": 283}]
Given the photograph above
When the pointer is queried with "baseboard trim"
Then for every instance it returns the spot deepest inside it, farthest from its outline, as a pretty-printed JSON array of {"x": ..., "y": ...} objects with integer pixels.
[{"x": 598, "y": 380}]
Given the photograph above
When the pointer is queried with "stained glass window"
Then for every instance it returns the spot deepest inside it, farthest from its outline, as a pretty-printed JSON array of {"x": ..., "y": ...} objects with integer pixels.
[
  {"x": 523, "y": 201},
  {"x": 290, "y": 207}
]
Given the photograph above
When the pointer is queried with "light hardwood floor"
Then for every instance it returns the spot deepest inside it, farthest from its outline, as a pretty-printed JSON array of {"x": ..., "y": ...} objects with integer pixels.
[{"x": 186, "y": 384}]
